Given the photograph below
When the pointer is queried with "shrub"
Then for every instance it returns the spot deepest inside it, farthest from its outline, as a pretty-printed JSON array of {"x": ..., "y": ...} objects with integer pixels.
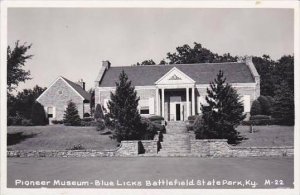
[
  {"x": 87, "y": 119},
  {"x": 26, "y": 122},
  {"x": 77, "y": 147},
  {"x": 255, "y": 108},
  {"x": 151, "y": 129},
  {"x": 86, "y": 115},
  {"x": 266, "y": 107},
  {"x": 14, "y": 120},
  {"x": 156, "y": 118},
  {"x": 71, "y": 116},
  {"x": 100, "y": 125},
  {"x": 260, "y": 117},
  {"x": 262, "y": 122},
  {"x": 55, "y": 122},
  {"x": 38, "y": 115}
]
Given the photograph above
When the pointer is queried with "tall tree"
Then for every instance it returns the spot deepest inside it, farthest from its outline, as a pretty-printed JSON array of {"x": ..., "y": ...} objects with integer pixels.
[
  {"x": 16, "y": 59},
  {"x": 265, "y": 68},
  {"x": 123, "y": 110},
  {"x": 23, "y": 101},
  {"x": 283, "y": 108},
  {"x": 284, "y": 71},
  {"x": 198, "y": 54},
  {"x": 223, "y": 112}
]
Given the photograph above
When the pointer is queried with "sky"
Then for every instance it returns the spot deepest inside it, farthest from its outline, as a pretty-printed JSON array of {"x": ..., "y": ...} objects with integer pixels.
[{"x": 73, "y": 42}]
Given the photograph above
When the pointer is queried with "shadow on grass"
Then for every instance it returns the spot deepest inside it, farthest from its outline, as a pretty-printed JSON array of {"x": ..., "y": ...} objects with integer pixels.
[{"x": 15, "y": 138}]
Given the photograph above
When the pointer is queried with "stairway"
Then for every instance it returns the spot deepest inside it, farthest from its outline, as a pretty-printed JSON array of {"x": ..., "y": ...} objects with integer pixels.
[{"x": 176, "y": 141}]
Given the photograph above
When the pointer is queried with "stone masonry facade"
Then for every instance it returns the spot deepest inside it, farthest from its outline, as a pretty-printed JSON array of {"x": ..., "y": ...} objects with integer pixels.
[{"x": 58, "y": 96}]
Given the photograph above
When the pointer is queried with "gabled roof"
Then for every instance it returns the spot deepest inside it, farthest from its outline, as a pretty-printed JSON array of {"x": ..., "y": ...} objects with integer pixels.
[
  {"x": 203, "y": 73},
  {"x": 77, "y": 88}
]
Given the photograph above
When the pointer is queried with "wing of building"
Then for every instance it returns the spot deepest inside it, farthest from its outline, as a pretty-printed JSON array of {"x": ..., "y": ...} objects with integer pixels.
[
  {"x": 55, "y": 99},
  {"x": 176, "y": 91}
]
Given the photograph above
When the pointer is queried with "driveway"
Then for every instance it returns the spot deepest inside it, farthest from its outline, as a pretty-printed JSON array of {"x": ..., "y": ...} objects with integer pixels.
[{"x": 151, "y": 172}]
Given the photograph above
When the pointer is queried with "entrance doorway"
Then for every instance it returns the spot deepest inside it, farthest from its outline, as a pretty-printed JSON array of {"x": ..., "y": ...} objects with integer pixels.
[{"x": 178, "y": 112}]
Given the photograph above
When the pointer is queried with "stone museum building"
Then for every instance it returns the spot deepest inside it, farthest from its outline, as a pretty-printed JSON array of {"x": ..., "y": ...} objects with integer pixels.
[
  {"x": 55, "y": 99},
  {"x": 176, "y": 91}
]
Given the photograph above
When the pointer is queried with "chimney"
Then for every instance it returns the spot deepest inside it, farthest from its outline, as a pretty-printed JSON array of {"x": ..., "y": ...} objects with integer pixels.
[
  {"x": 81, "y": 84},
  {"x": 106, "y": 64}
]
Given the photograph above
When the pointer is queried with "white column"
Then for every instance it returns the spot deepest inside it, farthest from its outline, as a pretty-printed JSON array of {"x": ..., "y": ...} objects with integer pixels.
[
  {"x": 193, "y": 100},
  {"x": 163, "y": 102},
  {"x": 157, "y": 101},
  {"x": 187, "y": 103}
]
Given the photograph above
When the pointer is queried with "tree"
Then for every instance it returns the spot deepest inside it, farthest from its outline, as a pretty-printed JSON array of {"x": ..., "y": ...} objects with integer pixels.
[
  {"x": 265, "y": 68},
  {"x": 71, "y": 116},
  {"x": 98, "y": 112},
  {"x": 284, "y": 71},
  {"x": 223, "y": 112},
  {"x": 123, "y": 111},
  {"x": 283, "y": 109},
  {"x": 16, "y": 59},
  {"x": 146, "y": 62},
  {"x": 198, "y": 54},
  {"x": 38, "y": 115},
  {"x": 23, "y": 101},
  {"x": 92, "y": 103}
]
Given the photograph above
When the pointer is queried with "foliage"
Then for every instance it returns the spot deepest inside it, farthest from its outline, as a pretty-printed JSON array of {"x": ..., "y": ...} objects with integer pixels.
[
  {"x": 14, "y": 120},
  {"x": 86, "y": 115},
  {"x": 152, "y": 128},
  {"x": 146, "y": 62},
  {"x": 55, "y": 122},
  {"x": 255, "y": 117},
  {"x": 266, "y": 105},
  {"x": 255, "y": 108},
  {"x": 26, "y": 122},
  {"x": 223, "y": 113},
  {"x": 16, "y": 59},
  {"x": 92, "y": 102},
  {"x": 123, "y": 111},
  {"x": 198, "y": 54},
  {"x": 38, "y": 115},
  {"x": 76, "y": 147},
  {"x": 98, "y": 112},
  {"x": 283, "y": 109},
  {"x": 100, "y": 125},
  {"x": 22, "y": 103},
  {"x": 71, "y": 116}
]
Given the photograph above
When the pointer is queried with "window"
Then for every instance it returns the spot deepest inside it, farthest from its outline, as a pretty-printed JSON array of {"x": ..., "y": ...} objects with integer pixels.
[
  {"x": 144, "y": 110},
  {"x": 60, "y": 92},
  {"x": 50, "y": 112}
]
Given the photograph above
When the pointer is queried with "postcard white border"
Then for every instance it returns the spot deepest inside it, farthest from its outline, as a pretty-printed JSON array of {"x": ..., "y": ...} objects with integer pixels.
[{"x": 149, "y": 4}]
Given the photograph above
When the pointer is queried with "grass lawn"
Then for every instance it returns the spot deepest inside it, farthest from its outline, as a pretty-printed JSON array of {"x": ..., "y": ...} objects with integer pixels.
[
  {"x": 272, "y": 135},
  {"x": 56, "y": 137}
]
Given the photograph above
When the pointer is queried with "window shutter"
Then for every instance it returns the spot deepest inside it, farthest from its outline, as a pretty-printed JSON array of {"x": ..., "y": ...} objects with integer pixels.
[{"x": 151, "y": 105}]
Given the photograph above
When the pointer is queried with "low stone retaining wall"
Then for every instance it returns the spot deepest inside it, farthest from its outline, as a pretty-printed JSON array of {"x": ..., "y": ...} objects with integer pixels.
[
  {"x": 126, "y": 148},
  {"x": 220, "y": 148},
  {"x": 199, "y": 148}
]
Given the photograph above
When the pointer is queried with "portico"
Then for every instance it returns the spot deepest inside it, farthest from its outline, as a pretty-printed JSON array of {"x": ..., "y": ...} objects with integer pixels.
[{"x": 177, "y": 106}]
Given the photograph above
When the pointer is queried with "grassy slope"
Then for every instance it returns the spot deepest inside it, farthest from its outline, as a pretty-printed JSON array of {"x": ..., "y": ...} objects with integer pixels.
[
  {"x": 60, "y": 137},
  {"x": 272, "y": 135}
]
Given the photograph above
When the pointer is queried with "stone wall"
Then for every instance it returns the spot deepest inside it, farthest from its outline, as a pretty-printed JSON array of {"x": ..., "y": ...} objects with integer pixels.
[
  {"x": 128, "y": 148},
  {"x": 150, "y": 146},
  {"x": 220, "y": 148}
]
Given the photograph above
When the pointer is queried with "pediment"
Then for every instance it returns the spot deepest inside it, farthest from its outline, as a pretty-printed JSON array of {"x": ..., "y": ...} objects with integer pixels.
[{"x": 175, "y": 76}]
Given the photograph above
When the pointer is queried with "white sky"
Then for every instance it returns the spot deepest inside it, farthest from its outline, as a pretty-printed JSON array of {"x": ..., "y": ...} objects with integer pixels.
[{"x": 72, "y": 42}]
